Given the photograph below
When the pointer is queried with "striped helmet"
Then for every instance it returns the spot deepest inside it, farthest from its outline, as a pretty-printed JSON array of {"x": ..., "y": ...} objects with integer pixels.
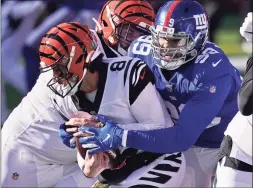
[
  {"x": 122, "y": 21},
  {"x": 179, "y": 33},
  {"x": 67, "y": 50}
]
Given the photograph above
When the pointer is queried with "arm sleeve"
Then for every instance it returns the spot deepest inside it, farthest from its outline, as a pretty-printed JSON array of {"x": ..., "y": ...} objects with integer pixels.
[
  {"x": 245, "y": 97},
  {"x": 197, "y": 114}
]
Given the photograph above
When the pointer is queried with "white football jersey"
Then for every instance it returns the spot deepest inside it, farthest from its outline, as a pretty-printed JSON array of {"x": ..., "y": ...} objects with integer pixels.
[
  {"x": 34, "y": 124},
  {"x": 130, "y": 97},
  {"x": 35, "y": 121},
  {"x": 240, "y": 129},
  {"x": 126, "y": 93}
]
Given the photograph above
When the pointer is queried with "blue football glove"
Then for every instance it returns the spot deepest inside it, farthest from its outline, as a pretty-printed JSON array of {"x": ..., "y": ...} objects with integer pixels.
[
  {"x": 66, "y": 138},
  {"x": 106, "y": 138}
]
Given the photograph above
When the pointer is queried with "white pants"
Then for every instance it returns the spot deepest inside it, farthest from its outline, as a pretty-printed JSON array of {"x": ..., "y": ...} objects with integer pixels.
[
  {"x": 20, "y": 168},
  {"x": 200, "y": 166},
  {"x": 229, "y": 177}
]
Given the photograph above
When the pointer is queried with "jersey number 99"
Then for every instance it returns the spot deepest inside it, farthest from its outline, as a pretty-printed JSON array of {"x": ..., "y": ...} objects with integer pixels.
[{"x": 142, "y": 46}]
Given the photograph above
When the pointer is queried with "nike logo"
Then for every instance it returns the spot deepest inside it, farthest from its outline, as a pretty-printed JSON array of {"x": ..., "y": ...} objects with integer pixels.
[
  {"x": 107, "y": 137},
  {"x": 215, "y": 64},
  {"x": 143, "y": 75}
]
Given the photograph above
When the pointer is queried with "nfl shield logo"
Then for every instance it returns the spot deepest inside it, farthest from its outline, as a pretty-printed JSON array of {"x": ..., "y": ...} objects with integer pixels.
[
  {"x": 15, "y": 176},
  {"x": 212, "y": 89}
]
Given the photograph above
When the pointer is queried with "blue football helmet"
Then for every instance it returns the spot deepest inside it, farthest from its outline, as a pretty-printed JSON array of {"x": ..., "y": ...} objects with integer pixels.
[{"x": 179, "y": 33}]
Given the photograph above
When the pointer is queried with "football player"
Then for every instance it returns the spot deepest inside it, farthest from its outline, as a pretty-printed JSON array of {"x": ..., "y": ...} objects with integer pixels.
[
  {"x": 235, "y": 165},
  {"x": 198, "y": 84},
  {"x": 119, "y": 88},
  {"x": 120, "y": 22},
  {"x": 32, "y": 153}
]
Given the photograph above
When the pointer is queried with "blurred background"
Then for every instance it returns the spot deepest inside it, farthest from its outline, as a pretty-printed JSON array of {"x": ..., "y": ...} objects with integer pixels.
[{"x": 24, "y": 23}]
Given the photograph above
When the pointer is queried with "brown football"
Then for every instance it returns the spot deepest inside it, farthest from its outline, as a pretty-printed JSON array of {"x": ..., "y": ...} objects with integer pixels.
[
  {"x": 113, "y": 155},
  {"x": 80, "y": 149}
]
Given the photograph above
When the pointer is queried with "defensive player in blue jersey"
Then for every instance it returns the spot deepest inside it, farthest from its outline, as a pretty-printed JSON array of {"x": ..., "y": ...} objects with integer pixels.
[{"x": 198, "y": 84}]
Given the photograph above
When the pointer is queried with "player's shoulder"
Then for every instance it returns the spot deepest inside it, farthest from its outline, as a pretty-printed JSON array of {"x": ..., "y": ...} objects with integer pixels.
[
  {"x": 126, "y": 64},
  {"x": 210, "y": 53},
  {"x": 141, "y": 48},
  {"x": 133, "y": 70},
  {"x": 139, "y": 43},
  {"x": 212, "y": 62},
  {"x": 139, "y": 76}
]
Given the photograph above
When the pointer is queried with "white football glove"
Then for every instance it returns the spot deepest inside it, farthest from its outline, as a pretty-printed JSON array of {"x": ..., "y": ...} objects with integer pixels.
[{"x": 246, "y": 29}]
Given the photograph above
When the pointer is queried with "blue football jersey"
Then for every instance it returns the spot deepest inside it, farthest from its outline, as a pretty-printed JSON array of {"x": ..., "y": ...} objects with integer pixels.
[{"x": 201, "y": 95}]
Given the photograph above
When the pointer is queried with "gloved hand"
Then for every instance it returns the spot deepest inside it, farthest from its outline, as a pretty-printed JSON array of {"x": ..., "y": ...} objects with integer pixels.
[
  {"x": 109, "y": 137},
  {"x": 246, "y": 29},
  {"x": 67, "y": 138}
]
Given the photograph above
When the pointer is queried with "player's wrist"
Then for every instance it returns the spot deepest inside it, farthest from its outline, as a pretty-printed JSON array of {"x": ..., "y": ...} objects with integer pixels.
[{"x": 117, "y": 134}]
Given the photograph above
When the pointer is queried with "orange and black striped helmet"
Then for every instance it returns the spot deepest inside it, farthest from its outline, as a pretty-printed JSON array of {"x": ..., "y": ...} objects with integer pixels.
[
  {"x": 66, "y": 49},
  {"x": 137, "y": 15}
]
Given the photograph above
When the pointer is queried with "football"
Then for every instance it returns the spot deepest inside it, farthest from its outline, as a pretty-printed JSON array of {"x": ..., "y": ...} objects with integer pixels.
[
  {"x": 80, "y": 149},
  {"x": 113, "y": 155}
]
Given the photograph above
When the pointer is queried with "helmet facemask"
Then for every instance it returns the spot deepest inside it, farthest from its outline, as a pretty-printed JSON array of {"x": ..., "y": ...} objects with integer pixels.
[
  {"x": 67, "y": 50},
  {"x": 127, "y": 32},
  {"x": 121, "y": 22},
  {"x": 64, "y": 82},
  {"x": 170, "y": 49}
]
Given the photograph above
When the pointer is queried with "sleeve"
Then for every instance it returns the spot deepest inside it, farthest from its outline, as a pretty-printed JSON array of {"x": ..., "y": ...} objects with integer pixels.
[
  {"x": 130, "y": 50},
  {"x": 197, "y": 114},
  {"x": 146, "y": 104},
  {"x": 245, "y": 96}
]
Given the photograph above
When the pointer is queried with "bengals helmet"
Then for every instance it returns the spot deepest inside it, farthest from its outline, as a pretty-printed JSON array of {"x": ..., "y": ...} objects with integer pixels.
[
  {"x": 121, "y": 22},
  {"x": 67, "y": 50}
]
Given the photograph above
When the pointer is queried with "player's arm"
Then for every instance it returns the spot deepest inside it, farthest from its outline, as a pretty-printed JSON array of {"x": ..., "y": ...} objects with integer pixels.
[
  {"x": 197, "y": 114},
  {"x": 245, "y": 98}
]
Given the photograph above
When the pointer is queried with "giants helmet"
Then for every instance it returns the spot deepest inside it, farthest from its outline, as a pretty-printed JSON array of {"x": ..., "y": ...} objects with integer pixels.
[
  {"x": 66, "y": 49},
  {"x": 179, "y": 33},
  {"x": 121, "y": 22}
]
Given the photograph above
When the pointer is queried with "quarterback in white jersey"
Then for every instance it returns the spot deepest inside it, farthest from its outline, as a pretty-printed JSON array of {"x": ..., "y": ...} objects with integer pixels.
[
  {"x": 32, "y": 154},
  {"x": 121, "y": 88}
]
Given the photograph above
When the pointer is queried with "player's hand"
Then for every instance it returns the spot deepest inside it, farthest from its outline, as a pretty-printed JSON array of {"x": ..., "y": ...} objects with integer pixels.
[
  {"x": 67, "y": 130},
  {"x": 109, "y": 137},
  {"x": 93, "y": 165},
  {"x": 67, "y": 138},
  {"x": 246, "y": 28}
]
